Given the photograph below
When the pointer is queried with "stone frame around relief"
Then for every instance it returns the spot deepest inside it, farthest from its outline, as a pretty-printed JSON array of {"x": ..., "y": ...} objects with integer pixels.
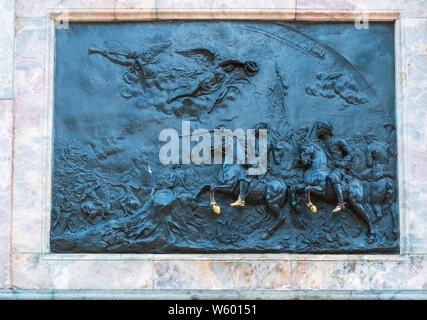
[
  {"x": 106, "y": 16},
  {"x": 35, "y": 267}
]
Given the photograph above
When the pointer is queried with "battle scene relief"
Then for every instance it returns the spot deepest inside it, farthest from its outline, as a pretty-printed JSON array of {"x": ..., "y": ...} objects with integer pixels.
[{"x": 137, "y": 166}]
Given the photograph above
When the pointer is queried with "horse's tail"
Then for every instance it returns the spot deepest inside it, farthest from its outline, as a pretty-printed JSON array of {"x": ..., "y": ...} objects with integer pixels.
[{"x": 390, "y": 193}]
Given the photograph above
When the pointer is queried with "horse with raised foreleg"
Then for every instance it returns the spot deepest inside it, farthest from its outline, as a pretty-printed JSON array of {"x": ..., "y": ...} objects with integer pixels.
[
  {"x": 273, "y": 194},
  {"x": 356, "y": 193}
]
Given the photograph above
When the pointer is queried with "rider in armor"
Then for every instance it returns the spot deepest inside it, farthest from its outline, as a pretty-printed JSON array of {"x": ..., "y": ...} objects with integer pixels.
[
  {"x": 378, "y": 154},
  {"x": 245, "y": 179},
  {"x": 341, "y": 155}
]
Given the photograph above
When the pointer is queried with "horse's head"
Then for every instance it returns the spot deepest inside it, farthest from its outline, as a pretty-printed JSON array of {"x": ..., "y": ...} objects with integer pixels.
[{"x": 306, "y": 152}]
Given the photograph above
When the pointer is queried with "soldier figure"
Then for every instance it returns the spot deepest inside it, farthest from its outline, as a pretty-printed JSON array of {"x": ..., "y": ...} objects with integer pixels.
[
  {"x": 342, "y": 157},
  {"x": 377, "y": 158},
  {"x": 244, "y": 180},
  {"x": 378, "y": 152}
]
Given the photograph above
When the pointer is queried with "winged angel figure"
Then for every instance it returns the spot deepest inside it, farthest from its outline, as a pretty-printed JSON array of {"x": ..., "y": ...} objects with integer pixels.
[
  {"x": 137, "y": 62},
  {"x": 219, "y": 75}
]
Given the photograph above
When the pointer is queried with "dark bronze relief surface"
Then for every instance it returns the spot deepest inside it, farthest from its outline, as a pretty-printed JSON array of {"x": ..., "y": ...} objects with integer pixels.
[{"x": 324, "y": 93}]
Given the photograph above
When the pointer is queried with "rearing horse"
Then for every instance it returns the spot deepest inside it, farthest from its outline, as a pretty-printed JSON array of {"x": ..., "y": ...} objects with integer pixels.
[{"x": 273, "y": 194}]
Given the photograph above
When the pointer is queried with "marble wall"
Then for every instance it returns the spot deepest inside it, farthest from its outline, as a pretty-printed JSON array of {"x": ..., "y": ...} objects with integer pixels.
[{"x": 26, "y": 266}]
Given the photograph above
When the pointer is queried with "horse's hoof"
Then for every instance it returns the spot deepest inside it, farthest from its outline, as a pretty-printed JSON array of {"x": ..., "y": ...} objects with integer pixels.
[
  {"x": 338, "y": 208},
  {"x": 215, "y": 208},
  {"x": 238, "y": 203},
  {"x": 265, "y": 236},
  {"x": 312, "y": 207}
]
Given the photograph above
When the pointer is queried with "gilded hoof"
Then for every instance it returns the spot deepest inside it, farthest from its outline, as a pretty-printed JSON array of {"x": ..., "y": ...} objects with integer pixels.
[
  {"x": 238, "y": 203},
  {"x": 312, "y": 207},
  {"x": 337, "y": 209},
  {"x": 215, "y": 208}
]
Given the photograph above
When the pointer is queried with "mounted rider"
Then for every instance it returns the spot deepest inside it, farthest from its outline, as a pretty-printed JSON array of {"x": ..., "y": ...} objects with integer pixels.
[
  {"x": 341, "y": 155},
  {"x": 245, "y": 180},
  {"x": 378, "y": 155}
]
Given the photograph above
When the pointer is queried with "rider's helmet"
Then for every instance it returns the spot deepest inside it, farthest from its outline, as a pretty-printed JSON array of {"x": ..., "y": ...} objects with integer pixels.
[{"x": 324, "y": 129}]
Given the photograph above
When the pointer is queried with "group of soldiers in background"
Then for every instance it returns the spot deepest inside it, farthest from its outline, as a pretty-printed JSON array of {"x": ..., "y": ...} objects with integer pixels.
[{"x": 362, "y": 157}]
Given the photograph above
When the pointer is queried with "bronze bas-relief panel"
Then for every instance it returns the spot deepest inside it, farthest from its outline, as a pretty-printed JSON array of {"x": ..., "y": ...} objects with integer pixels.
[{"x": 323, "y": 93}]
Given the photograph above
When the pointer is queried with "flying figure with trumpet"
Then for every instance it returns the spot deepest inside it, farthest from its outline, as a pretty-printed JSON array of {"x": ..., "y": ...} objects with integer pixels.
[{"x": 137, "y": 62}]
